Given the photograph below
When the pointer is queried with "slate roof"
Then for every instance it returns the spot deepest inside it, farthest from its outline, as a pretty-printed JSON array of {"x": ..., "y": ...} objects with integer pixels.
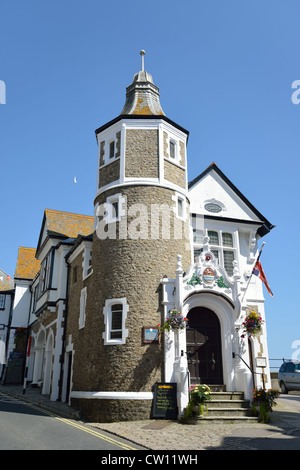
[{"x": 27, "y": 265}]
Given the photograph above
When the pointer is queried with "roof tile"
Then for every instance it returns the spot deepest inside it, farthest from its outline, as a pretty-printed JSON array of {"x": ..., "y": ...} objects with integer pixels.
[
  {"x": 69, "y": 224},
  {"x": 27, "y": 265}
]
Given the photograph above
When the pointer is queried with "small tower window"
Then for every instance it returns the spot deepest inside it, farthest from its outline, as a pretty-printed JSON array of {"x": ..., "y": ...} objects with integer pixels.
[
  {"x": 172, "y": 149},
  {"x": 112, "y": 149},
  {"x": 115, "y": 210},
  {"x": 116, "y": 321},
  {"x": 115, "y": 314},
  {"x": 180, "y": 208}
]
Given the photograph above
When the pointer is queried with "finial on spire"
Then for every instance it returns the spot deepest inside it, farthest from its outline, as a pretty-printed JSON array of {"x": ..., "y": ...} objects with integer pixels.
[
  {"x": 142, "y": 54},
  {"x": 142, "y": 96}
]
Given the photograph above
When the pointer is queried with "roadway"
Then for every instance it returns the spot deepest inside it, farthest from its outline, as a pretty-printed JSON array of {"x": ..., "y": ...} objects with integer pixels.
[{"x": 24, "y": 426}]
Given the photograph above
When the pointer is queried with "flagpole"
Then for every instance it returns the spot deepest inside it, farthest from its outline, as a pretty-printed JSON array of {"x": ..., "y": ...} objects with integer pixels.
[{"x": 252, "y": 270}]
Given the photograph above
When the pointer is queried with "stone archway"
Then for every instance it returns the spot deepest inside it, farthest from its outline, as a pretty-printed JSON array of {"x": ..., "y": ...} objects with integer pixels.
[
  {"x": 38, "y": 369},
  {"x": 226, "y": 316}
]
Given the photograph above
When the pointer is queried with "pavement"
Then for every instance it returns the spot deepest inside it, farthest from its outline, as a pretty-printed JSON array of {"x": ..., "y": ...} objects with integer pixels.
[{"x": 282, "y": 432}]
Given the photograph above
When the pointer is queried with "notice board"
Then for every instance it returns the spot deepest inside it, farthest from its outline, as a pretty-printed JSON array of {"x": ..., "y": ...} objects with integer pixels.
[{"x": 165, "y": 400}]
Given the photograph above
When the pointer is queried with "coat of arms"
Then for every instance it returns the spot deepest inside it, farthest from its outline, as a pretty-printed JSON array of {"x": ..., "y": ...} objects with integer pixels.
[{"x": 208, "y": 275}]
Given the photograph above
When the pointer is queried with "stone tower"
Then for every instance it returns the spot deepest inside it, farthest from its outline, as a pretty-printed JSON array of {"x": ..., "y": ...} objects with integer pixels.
[{"x": 141, "y": 225}]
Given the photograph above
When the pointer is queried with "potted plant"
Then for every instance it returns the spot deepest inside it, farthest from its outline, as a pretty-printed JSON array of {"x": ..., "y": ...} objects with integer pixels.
[
  {"x": 198, "y": 396},
  {"x": 176, "y": 321},
  {"x": 263, "y": 402}
]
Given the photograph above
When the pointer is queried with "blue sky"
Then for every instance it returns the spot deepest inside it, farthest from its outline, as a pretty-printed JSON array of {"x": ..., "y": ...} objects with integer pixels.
[{"x": 225, "y": 71}]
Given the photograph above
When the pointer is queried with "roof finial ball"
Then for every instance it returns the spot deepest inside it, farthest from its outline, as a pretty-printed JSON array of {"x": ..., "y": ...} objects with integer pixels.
[{"x": 142, "y": 54}]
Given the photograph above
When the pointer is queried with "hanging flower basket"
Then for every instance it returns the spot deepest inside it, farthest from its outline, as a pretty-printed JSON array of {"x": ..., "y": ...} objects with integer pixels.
[
  {"x": 176, "y": 321},
  {"x": 252, "y": 325}
]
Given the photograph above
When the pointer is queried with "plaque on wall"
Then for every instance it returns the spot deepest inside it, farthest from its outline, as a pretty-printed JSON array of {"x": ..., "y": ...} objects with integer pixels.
[
  {"x": 261, "y": 362},
  {"x": 150, "y": 334}
]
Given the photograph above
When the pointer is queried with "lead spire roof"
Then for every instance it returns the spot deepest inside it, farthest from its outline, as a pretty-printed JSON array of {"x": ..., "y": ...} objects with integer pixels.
[{"x": 142, "y": 96}]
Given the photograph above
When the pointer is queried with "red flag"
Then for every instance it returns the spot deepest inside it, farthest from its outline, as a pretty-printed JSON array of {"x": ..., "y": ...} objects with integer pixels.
[{"x": 258, "y": 271}]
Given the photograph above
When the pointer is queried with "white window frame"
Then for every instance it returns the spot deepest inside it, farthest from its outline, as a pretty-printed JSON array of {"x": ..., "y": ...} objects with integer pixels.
[
  {"x": 107, "y": 312},
  {"x": 179, "y": 197},
  {"x": 181, "y": 207},
  {"x": 111, "y": 141},
  {"x": 175, "y": 146},
  {"x": 87, "y": 262},
  {"x": 82, "y": 308},
  {"x": 110, "y": 216}
]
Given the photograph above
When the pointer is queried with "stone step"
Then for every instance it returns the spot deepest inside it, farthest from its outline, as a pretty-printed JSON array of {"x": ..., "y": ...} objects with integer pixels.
[
  {"x": 229, "y": 396},
  {"x": 228, "y": 404},
  {"x": 228, "y": 419},
  {"x": 227, "y": 407},
  {"x": 228, "y": 411},
  {"x": 217, "y": 388}
]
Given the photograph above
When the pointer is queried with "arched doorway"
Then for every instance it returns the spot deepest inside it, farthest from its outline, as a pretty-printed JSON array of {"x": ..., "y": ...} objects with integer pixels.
[
  {"x": 38, "y": 370},
  {"x": 203, "y": 342}
]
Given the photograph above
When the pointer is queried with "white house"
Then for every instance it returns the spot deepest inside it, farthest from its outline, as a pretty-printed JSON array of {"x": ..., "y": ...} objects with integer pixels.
[{"x": 49, "y": 290}]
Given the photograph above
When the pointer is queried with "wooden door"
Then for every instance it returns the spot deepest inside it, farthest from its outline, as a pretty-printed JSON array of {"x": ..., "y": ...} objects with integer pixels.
[{"x": 204, "y": 350}]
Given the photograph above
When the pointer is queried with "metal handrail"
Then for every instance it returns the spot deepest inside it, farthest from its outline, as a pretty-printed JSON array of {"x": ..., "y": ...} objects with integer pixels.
[{"x": 253, "y": 372}]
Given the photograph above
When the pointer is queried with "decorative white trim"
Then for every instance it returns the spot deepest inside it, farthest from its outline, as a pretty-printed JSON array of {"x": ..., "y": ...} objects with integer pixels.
[
  {"x": 112, "y": 395},
  {"x": 174, "y": 162},
  {"x": 143, "y": 182}
]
